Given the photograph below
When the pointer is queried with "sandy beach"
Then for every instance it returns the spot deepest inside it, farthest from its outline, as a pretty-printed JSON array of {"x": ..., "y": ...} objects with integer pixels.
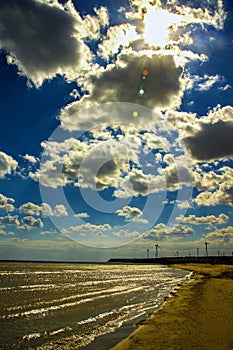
[{"x": 199, "y": 316}]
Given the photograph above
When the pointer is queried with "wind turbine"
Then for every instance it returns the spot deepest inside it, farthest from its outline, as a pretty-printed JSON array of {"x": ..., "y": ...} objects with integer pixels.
[
  {"x": 206, "y": 248},
  {"x": 156, "y": 250}
]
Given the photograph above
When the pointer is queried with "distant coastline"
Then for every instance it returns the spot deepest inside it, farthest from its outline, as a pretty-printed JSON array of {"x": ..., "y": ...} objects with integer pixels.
[
  {"x": 226, "y": 260},
  {"x": 52, "y": 261}
]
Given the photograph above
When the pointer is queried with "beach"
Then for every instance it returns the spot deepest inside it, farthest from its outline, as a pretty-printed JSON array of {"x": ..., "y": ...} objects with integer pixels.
[
  {"x": 78, "y": 306},
  {"x": 197, "y": 316}
]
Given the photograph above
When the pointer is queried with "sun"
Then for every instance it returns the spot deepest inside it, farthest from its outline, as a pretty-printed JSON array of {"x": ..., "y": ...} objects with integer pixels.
[{"x": 158, "y": 24}]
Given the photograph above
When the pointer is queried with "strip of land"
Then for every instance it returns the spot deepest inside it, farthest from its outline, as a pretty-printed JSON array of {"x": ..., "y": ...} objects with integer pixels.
[{"x": 198, "y": 317}]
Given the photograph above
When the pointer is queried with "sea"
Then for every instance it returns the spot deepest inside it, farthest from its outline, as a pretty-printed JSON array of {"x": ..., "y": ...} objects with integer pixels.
[{"x": 75, "y": 305}]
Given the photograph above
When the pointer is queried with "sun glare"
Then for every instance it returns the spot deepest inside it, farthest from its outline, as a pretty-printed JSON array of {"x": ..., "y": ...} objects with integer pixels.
[{"x": 157, "y": 23}]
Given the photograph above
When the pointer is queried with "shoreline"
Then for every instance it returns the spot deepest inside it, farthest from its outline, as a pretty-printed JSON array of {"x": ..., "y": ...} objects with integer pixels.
[
  {"x": 110, "y": 340},
  {"x": 197, "y": 316}
]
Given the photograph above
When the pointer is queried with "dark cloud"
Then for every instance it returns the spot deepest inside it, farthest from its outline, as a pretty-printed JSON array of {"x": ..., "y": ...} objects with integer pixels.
[
  {"x": 160, "y": 88},
  {"x": 39, "y": 37},
  {"x": 213, "y": 141}
]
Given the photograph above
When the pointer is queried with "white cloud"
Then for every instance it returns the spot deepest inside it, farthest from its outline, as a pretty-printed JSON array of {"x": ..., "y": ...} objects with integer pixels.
[
  {"x": 86, "y": 228},
  {"x": 129, "y": 212},
  {"x": 184, "y": 204},
  {"x": 82, "y": 215},
  {"x": 51, "y": 232},
  {"x": 7, "y": 164},
  {"x": 223, "y": 195},
  {"x": 43, "y": 209},
  {"x": 30, "y": 222},
  {"x": 136, "y": 182},
  {"x": 207, "y": 82},
  {"x": 30, "y": 158},
  {"x": 204, "y": 220},
  {"x": 218, "y": 186},
  {"x": 92, "y": 24},
  {"x": 116, "y": 37},
  {"x": 98, "y": 164},
  {"x": 75, "y": 94},
  {"x": 171, "y": 178},
  {"x": 126, "y": 234},
  {"x": 6, "y": 203},
  {"x": 59, "y": 210},
  {"x": 30, "y": 208},
  {"x": 132, "y": 214},
  {"x": 161, "y": 231},
  {"x": 9, "y": 220},
  {"x": 223, "y": 235}
]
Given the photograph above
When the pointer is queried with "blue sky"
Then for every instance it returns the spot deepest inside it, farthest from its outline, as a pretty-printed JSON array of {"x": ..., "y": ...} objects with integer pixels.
[{"x": 116, "y": 128}]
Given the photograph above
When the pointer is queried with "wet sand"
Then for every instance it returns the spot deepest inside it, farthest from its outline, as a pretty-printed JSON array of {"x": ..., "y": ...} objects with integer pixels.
[{"x": 198, "y": 317}]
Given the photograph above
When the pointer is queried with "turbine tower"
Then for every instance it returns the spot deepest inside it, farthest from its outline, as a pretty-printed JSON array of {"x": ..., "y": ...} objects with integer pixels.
[
  {"x": 206, "y": 248},
  {"x": 156, "y": 250}
]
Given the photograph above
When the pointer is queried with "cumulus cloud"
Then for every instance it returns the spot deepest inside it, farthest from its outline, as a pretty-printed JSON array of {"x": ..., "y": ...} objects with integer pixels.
[
  {"x": 93, "y": 24},
  {"x": 30, "y": 222},
  {"x": 223, "y": 195},
  {"x": 126, "y": 234},
  {"x": 30, "y": 158},
  {"x": 213, "y": 141},
  {"x": 123, "y": 82},
  {"x": 51, "y": 232},
  {"x": 217, "y": 186},
  {"x": 136, "y": 182},
  {"x": 132, "y": 214},
  {"x": 59, "y": 210},
  {"x": 184, "y": 204},
  {"x": 172, "y": 177},
  {"x": 7, "y": 164},
  {"x": 223, "y": 235},
  {"x": 116, "y": 37},
  {"x": 207, "y": 82},
  {"x": 204, "y": 220},
  {"x": 9, "y": 220},
  {"x": 43, "y": 209},
  {"x": 95, "y": 164},
  {"x": 161, "y": 231},
  {"x": 206, "y": 138},
  {"x": 129, "y": 212},
  {"x": 6, "y": 203},
  {"x": 177, "y": 172},
  {"x": 30, "y": 208},
  {"x": 41, "y": 38},
  {"x": 85, "y": 229},
  {"x": 114, "y": 161},
  {"x": 82, "y": 215}
]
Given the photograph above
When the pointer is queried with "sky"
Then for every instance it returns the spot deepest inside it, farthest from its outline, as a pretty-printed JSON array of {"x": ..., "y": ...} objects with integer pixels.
[{"x": 116, "y": 129}]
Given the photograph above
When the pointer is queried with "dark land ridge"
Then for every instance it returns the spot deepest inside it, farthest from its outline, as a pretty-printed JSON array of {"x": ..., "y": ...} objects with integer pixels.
[{"x": 226, "y": 260}]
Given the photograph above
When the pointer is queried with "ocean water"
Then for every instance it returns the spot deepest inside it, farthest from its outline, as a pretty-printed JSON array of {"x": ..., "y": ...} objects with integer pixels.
[{"x": 68, "y": 306}]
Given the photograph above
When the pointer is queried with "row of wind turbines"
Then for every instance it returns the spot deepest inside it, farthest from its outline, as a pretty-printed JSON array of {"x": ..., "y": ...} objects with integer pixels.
[{"x": 177, "y": 253}]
